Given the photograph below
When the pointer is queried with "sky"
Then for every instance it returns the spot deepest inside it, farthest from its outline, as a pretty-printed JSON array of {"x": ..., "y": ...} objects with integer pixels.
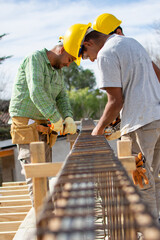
[{"x": 36, "y": 24}]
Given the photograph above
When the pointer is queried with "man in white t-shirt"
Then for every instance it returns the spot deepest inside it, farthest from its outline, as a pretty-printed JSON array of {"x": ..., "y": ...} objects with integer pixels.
[{"x": 128, "y": 77}]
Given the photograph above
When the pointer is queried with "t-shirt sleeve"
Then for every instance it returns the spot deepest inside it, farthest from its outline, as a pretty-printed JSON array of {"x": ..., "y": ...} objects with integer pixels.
[{"x": 109, "y": 72}]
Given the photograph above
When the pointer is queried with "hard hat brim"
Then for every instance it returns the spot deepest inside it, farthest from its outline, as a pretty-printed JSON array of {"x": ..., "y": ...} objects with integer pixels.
[{"x": 78, "y": 61}]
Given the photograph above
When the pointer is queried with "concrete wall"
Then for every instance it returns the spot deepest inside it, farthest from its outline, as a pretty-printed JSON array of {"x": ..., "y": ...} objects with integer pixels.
[{"x": 60, "y": 150}]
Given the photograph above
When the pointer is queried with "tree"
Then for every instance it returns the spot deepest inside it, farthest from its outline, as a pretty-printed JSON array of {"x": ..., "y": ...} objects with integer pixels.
[
  {"x": 154, "y": 51},
  {"x": 4, "y": 104},
  {"x": 76, "y": 77},
  {"x": 4, "y": 57},
  {"x": 87, "y": 104}
]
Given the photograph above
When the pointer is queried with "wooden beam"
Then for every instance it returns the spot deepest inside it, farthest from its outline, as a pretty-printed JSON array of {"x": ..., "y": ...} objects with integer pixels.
[
  {"x": 124, "y": 148},
  {"x": 6, "y": 217},
  {"x": 15, "y": 209},
  {"x": 13, "y": 192},
  {"x": 128, "y": 162},
  {"x": 7, "y": 235},
  {"x": 37, "y": 150},
  {"x": 38, "y": 170},
  {"x": 9, "y": 226},
  {"x": 14, "y": 197},
  {"x": 124, "y": 151},
  {"x": 22, "y": 183},
  {"x": 14, "y": 187},
  {"x": 15, "y": 202},
  {"x": 6, "y": 152}
]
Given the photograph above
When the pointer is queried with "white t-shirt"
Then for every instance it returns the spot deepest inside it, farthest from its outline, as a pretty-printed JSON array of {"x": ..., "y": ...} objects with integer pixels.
[{"x": 123, "y": 62}]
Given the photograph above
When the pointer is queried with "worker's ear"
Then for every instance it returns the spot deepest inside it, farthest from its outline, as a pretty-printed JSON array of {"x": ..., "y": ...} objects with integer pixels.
[
  {"x": 88, "y": 43},
  {"x": 61, "y": 50}
]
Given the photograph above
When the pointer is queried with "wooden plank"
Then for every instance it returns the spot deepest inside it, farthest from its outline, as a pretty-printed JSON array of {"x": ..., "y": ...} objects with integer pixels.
[
  {"x": 7, "y": 235},
  {"x": 38, "y": 170},
  {"x": 128, "y": 163},
  {"x": 37, "y": 150},
  {"x": 6, "y": 152},
  {"x": 28, "y": 227},
  {"x": 14, "y": 183},
  {"x": 15, "y": 202},
  {"x": 124, "y": 151},
  {"x": 124, "y": 148},
  {"x": 14, "y": 187},
  {"x": 5, "y": 217},
  {"x": 9, "y": 226},
  {"x": 14, "y": 197},
  {"x": 15, "y": 209},
  {"x": 13, "y": 192}
]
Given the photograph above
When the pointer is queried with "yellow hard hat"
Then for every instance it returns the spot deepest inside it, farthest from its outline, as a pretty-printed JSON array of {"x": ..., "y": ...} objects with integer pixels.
[
  {"x": 73, "y": 38},
  {"x": 106, "y": 23}
]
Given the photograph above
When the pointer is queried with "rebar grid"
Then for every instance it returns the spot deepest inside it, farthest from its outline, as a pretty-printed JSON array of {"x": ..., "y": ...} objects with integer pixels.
[{"x": 94, "y": 197}]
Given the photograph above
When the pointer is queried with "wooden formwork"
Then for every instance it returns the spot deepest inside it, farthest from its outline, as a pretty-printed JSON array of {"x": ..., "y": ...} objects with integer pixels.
[
  {"x": 94, "y": 197},
  {"x": 15, "y": 203}
]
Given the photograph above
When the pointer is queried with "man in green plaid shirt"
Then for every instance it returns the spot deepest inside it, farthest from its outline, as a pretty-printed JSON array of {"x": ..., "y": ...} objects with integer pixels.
[{"x": 39, "y": 95}]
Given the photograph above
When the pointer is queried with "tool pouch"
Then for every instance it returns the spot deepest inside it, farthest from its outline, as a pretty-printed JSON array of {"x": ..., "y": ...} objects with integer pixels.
[
  {"x": 51, "y": 136},
  {"x": 52, "y": 139},
  {"x": 24, "y": 134}
]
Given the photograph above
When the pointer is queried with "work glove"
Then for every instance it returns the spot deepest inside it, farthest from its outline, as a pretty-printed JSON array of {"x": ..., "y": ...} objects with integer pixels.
[
  {"x": 138, "y": 175},
  {"x": 112, "y": 132},
  {"x": 57, "y": 126},
  {"x": 69, "y": 126}
]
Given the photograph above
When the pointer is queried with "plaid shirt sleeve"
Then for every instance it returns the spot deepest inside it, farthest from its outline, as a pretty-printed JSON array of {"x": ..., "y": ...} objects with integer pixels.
[
  {"x": 35, "y": 80},
  {"x": 63, "y": 104}
]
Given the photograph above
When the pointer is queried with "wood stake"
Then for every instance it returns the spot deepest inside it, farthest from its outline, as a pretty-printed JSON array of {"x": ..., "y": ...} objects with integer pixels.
[
  {"x": 37, "y": 150},
  {"x": 124, "y": 151}
]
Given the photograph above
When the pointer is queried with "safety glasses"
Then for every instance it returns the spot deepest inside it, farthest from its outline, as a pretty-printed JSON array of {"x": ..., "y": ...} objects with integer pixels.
[{"x": 82, "y": 52}]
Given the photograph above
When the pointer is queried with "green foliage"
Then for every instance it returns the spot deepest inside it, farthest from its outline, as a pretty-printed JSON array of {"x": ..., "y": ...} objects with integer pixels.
[
  {"x": 87, "y": 104},
  {"x": 5, "y": 133},
  {"x": 78, "y": 78}
]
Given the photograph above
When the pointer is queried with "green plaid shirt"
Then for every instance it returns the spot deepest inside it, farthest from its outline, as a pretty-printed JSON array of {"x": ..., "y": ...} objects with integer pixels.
[{"x": 39, "y": 90}]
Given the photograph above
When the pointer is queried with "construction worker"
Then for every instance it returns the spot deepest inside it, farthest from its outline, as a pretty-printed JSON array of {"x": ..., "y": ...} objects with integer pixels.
[
  {"x": 39, "y": 95},
  {"x": 128, "y": 77},
  {"x": 100, "y": 24}
]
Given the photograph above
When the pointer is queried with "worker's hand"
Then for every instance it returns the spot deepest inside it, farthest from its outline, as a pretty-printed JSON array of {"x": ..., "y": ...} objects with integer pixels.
[
  {"x": 69, "y": 126},
  {"x": 97, "y": 131},
  {"x": 138, "y": 175},
  {"x": 57, "y": 126}
]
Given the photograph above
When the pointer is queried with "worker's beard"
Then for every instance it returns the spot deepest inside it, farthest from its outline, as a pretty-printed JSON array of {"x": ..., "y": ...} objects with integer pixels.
[{"x": 57, "y": 66}]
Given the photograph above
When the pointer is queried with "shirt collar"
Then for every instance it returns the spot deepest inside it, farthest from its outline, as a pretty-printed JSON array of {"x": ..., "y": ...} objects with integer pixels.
[{"x": 44, "y": 52}]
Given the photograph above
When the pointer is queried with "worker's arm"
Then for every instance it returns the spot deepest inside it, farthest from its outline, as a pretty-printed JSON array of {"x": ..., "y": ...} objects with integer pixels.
[
  {"x": 157, "y": 70},
  {"x": 63, "y": 104},
  {"x": 111, "y": 111}
]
